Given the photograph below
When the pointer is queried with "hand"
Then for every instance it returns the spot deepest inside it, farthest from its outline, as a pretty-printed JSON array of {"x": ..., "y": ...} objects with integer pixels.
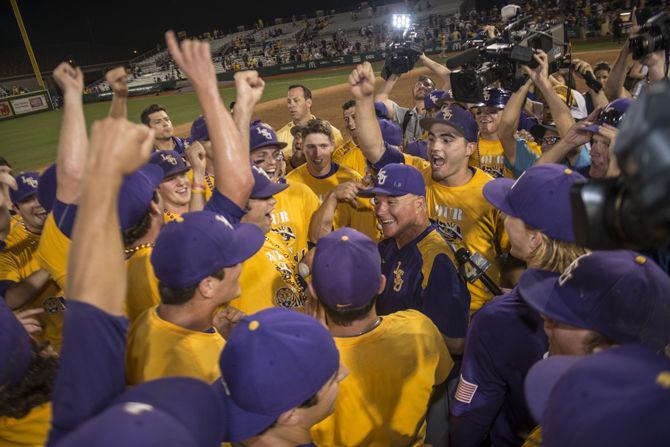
[
  {"x": 525, "y": 135},
  {"x": 540, "y": 74},
  {"x": 576, "y": 135},
  {"x": 119, "y": 145},
  {"x": 30, "y": 324},
  {"x": 117, "y": 79},
  {"x": 226, "y": 320},
  {"x": 69, "y": 79},
  {"x": 582, "y": 67},
  {"x": 196, "y": 156},
  {"x": 362, "y": 81},
  {"x": 610, "y": 133},
  {"x": 195, "y": 60},
  {"x": 7, "y": 181},
  {"x": 249, "y": 87},
  {"x": 348, "y": 192}
]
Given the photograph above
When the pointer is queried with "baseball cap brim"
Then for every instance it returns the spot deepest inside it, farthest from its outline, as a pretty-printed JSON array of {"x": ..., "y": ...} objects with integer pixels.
[
  {"x": 249, "y": 240},
  {"x": 269, "y": 190},
  {"x": 496, "y": 192},
  {"x": 240, "y": 424},
  {"x": 538, "y": 288},
  {"x": 377, "y": 190},
  {"x": 175, "y": 171},
  {"x": 427, "y": 122},
  {"x": 279, "y": 144},
  {"x": 593, "y": 128},
  {"x": 541, "y": 379}
]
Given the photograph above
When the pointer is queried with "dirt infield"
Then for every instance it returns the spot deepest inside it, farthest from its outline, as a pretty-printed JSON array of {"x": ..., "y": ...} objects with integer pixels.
[{"x": 328, "y": 101}]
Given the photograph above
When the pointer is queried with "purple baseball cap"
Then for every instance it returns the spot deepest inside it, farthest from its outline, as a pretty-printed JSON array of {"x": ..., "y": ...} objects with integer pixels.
[
  {"x": 346, "y": 271},
  {"x": 15, "y": 348},
  {"x": 137, "y": 191},
  {"x": 199, "y": 244},
  {"x": 171, "y": 162},
  {"x": 264, "y": 187},
  {"x": 396, "y": 179},
  {"x": 456, "y": 117},
  {"x": 26, "y": 183},
  {"x": 433, "y": 100},
  {"x": 618, "y": 397},
  {"x": 199, "y": 130},
  {"x": 391, "y": 132},
  {"x": 46, "y": 188},
  {"x": 418, "y": 148},
  {"x": 619, "y": 294},
  {"x": 612, "y": 114},
  {"x": 494, "y": 97},
  {"x": 540, "y": 197},
  {"x": 262, "y": 135},
  {"x": 174, "y": 411},
  {"x": 273, "y": 361},
  {"x": 380, "y": 110}
]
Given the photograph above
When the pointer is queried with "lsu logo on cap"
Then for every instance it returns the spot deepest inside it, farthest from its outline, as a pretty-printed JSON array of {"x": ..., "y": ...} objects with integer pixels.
[
  {"x": 29, "y": 181},
  {"x": 433, "y": 98},
  {"x": 381, "y": 177},
  {"x": 568, "y": 273},
  {"x": 487, "y": 95},
  {"x": 169, "y": 158},
  {"x": 264, "y": 132},
  {"x": 447, "y": 113}
]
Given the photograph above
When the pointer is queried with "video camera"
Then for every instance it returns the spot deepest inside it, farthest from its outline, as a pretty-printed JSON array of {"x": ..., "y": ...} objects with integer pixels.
[
  {"x": 488, "y": 60},
  {"x": 653, "y": 36},
  {"x": 405, "y": 49},
  {"x": 632, "y": 211}
]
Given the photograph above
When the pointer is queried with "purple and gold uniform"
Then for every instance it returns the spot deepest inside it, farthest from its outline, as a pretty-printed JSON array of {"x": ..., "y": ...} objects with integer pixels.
[
  {"x": 292, "y": 215},
  {"x": 350, "y": 156}
]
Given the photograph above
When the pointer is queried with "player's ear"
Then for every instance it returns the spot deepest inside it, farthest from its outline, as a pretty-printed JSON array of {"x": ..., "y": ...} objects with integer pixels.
[
  {"x": 534, "y": 240},
  {"x": 470, "y": 148},
  {"x": 312, "y": 292},
  {"x": 206, "y": 287},
  {"x": 154, "y": 209},
  {"x": 382, "y": 285}
]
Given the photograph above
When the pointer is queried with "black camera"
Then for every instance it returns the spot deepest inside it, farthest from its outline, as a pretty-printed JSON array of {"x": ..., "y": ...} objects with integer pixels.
[
  {"x": 632, "y": 211},
  {"x": 653, "y": 36},
  {"x": 500, "y": 59},
  {"x": 402, "y": 56}
]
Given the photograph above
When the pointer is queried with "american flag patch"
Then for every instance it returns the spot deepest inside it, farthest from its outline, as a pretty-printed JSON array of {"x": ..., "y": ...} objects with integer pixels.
[{"x": 465, "y": 391}]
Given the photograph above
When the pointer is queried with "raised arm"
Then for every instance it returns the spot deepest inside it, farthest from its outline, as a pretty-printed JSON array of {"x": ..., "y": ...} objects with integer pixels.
[
  {"x": 96, "y": 265},
  {"x": 570, "y": 144},
  {"x": 584, "y": 70},
  {"x": 249, "y": 87},
  {"x": 118, "y": 82},
  {"x": 324, "y": 217},
  {"x": 195, "y": 154},
  {"x": 560, "y": 111},
  {"x": 72, "y": 142},
  {"x": 614, "y": 86},
  {"x": 387, "y": 87},
  {"x": 232, "y": 169},
  {"x": 510, "y": 120},
  {"x": 362, "y": 85},
  {"x": 440, "y": 71}
]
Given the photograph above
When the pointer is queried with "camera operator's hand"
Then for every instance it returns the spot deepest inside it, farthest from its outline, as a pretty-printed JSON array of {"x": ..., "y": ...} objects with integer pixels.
[
  {"x": 362, "y": 81},
  {"x": 540, "y": 74},
  {"x": 582, "y": 67}
]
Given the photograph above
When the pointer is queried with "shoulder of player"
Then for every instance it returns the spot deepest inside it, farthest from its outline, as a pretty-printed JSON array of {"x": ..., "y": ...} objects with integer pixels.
[
  {"x": 497, "y": 316},
  {"x": 297, "y": 175},
  {"x": 410, "y": 322},
  {"x": 433, "y": 245},
  {"x": 345, "y": 174}
]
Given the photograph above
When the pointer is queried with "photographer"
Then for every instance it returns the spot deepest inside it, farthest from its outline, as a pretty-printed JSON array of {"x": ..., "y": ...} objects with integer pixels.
[
  {"x": 407, "y": 118},
  {"x": 595, "y": 95}
]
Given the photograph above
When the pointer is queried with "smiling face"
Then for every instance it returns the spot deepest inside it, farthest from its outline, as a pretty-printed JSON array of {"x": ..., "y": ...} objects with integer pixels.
[
  {"x": 488, "y": 120},
  {"x": 259, "y": 212},
  {"x": 268, "y": 159},
  {"x": 448, "y": 151},
  {"x": 318, "y": 149},
  {"x": 32, "y": 213},
  {"x": 396, "y": 214},
  {"x": 176, "y": 190}
]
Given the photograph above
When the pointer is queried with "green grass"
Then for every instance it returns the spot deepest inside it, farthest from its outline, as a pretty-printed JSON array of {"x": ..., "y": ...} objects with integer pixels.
[{"x": 31, "y": 142}]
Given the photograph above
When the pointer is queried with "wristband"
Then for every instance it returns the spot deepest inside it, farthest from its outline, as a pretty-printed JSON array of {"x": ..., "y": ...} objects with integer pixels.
[
  {"x": 197, "y": 186},
  {"x": 197, "y": 191}
]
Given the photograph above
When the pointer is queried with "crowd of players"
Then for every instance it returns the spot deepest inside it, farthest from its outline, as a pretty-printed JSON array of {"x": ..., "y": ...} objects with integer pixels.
[{"x": 398, "y": 284}]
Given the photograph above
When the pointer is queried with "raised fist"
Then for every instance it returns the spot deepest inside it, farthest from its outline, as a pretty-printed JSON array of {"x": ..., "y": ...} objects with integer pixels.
[
  {"x": 362, "y": 81},
  {"x": 117, "y": 79},
  {"x": 68, "y": 78},
  {"x": 121, "y": 145}
]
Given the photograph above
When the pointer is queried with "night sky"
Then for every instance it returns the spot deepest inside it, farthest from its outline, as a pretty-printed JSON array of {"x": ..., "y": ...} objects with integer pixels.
[{"x": 117, "y": 27}]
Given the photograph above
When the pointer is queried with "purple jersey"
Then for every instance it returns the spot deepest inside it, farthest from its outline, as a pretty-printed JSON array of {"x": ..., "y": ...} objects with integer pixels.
[
  {"x": 422, "y": 276},
  {"x": 221, "y": 204},
  {"x": 506, "y": 337}
]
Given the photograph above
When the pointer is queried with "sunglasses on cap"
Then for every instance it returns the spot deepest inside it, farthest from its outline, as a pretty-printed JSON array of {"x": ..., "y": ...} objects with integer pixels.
[
  {"x": 425, "y": 81},
  {"x": 549, "y": 141},
  {"x": 612, "y": 117}
]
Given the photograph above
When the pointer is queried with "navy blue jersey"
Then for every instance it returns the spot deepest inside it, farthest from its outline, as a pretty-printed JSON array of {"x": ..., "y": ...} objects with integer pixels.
[
  {"x": 179, "y": 145},
  {"x": 506, "y": 337},
  {"x": 92, "y": 367},
  {"x": 222, "y": 205},
  {"x": 421, "y": 275}
]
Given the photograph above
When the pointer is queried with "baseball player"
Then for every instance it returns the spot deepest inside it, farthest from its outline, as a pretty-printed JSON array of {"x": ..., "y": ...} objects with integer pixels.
[
  {"x": 90, "y": 403},
  {"x": 299, "y": 354},
  {"x": 489, "y": 153},
  {"x": 618, "y": 397},
  {"x": 156, "y": 118},
  {"x": 299, "y": 101},
  {"x": 349, "y": 154},
  {"x": 324, "y": 177},
  {"x": 298, "y": 156},
  {"x": 400, "y": 357},
  {"x": 506, "y": 337},
  {"x": 453, "y": 189}
]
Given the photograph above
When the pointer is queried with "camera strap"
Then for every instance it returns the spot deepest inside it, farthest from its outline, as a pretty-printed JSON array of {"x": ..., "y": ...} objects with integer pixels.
[{"x": 405, "y": 121}]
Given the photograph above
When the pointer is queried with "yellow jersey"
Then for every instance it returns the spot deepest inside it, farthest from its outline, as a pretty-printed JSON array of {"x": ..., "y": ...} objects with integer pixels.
[
  {"x": 292, "y": 215},
  {"x": 490, "y": 158},
  {"x": 534, "y": 439},
  {"x": 53, "y": 251},
  {"x": 284, "y": 134},
  {"x": 142, "y": 283},
  {"x": 362, "y": 218},
  {"x": 157, "y": 348},
  {"x": 17, "y": 262},
  {"x": 29, "y": 431},
  {"x": 270, "y": 278},
  {"x": 209, "y": 184},
  {"x": 383, "y": 401},
  {"x": 465, "y": 217},
  {"x": 351, "y": 156}
]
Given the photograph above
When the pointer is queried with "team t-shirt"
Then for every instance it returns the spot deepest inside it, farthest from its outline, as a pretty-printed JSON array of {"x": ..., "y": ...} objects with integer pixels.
[
  {"x": 392, "y": 372},
  {"x": 490, "y": 158},
  {"x": 351, "y": 156},
  {"x": 292, "y": 216},
  {"x": 29, "y": 431},
  {"x": 284, "y": 134},
  {"x": 157, "y": 348},
  {"x": 142, "y": 283},
  {"x": 421, "y": 275},
  {"x": 362, "y": 218},
  {"x": 54, "y": 247}
]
